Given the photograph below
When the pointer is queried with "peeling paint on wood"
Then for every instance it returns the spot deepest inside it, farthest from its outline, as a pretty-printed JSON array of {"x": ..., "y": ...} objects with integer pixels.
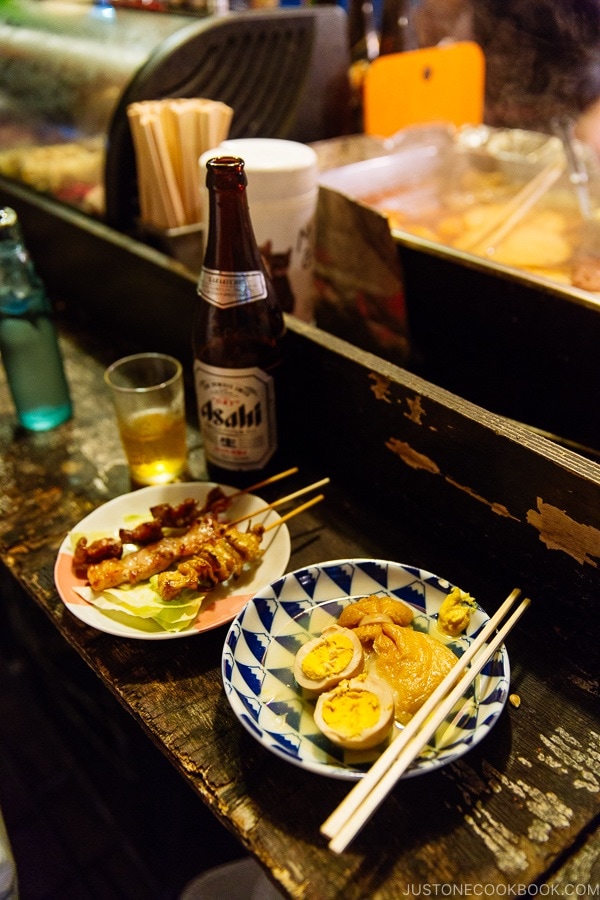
[
  {"x": 415, "y": 412},
  {"x": 558, "y": 531},
  {"x": 497, "y": 508},
  {"x": 582, "y": 869},
  {"x": 567, "y": 752},
  {"x": 245, "y": 817},
  {"x": 380, "y": 387},
  {"x": 412, "y": 457},
  {"x": 499, "y": 840},
  {"x": 566, "y": 755},
  {"x": 416, "y": 460},
  {"x": 548, "y": 812}
]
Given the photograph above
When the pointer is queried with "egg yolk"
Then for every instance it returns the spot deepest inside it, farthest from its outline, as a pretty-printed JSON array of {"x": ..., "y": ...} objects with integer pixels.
[
  {"x": 352, "y": 711},
  {"x": 329, "y": 657}
]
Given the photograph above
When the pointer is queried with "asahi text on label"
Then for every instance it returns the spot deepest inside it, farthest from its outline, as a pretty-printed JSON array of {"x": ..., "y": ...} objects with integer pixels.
[{"x": 237, "y": 416}]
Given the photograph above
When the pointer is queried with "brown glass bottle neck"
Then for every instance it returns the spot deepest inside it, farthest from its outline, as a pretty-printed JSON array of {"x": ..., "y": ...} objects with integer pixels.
[{"x": 231, "y": 244}]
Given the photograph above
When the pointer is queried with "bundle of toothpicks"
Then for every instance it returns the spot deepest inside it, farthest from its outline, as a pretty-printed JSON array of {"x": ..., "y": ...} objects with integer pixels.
[{"x": 169, "y": 136}]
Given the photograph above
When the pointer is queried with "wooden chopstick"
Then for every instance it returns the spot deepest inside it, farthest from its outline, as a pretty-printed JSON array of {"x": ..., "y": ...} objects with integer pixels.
[
  {"x": 362, "y": 801},
  {"x": 169, "y": 136},
  {"x": 383, "y": 763},
  {"x": 485, "y": 240},
  {"x": 282, "y": 500}
]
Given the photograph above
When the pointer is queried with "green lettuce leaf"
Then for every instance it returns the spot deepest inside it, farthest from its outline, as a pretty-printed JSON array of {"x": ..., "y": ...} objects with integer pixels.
[{"x": 141, "y": 602}]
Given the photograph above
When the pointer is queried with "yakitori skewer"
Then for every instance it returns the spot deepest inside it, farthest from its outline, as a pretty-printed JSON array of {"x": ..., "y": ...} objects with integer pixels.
[
  {"x": 224, "y": 558},
  {"x": 159, "y": 555}
]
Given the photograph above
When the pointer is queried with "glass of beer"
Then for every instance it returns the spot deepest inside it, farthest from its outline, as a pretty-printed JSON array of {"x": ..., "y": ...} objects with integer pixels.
[{"x": 148, "y": 395}]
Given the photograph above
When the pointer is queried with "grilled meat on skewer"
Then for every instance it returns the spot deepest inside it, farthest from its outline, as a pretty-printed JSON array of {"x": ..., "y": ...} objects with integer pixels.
[
  {"x": 144, "y": 533},
  {"x": 164, "y": 515},
  {"x": 214, "y": 564},
  {"x": 181, "y": 516},
  {"x": 86, "y": 554},
  {"x": 155, "y": 558}
]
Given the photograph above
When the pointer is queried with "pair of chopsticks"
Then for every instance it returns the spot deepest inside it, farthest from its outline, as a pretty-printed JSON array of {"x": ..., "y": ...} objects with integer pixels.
[
  {"x": 169, "y": 137},
  {"x": 486, "y": 239},
  {"x": 362, "y": 801}
]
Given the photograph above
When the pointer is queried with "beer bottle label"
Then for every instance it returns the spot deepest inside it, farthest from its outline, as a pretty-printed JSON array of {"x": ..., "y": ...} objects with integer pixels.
[
  {"x": 225, "y": 289},
  {"x": 236, "y": 409}
]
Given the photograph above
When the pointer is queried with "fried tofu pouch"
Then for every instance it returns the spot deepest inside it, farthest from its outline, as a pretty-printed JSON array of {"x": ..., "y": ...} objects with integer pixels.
[{"x": 411, "y": 662}]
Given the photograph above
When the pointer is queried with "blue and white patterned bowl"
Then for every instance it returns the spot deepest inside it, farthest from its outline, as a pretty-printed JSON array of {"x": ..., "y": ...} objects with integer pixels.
[{"x": 263, "y": 640}]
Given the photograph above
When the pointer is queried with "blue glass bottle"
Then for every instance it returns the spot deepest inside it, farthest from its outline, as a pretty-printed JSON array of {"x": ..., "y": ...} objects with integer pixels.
[{"x": 28, "y": 343}]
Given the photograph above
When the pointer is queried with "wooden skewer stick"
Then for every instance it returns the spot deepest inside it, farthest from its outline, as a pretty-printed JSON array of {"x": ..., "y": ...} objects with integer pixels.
[
  {"x": 521, "y": 210},
  {"x": 282, "y": 500},
  {"x": 295, "y": 512},
  {"x": 511, "y": 214},
  {"x": 264, "y": 483}
]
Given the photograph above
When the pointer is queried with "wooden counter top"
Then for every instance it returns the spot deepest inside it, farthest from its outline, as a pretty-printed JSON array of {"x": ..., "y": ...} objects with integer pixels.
[{"x": 520, "y": 808}]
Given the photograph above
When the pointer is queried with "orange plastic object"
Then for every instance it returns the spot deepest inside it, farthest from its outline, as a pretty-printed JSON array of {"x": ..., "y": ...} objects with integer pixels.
[{"x": 434, "y": 84}]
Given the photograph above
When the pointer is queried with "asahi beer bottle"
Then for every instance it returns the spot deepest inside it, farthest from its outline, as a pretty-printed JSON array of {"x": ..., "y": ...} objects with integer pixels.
[{"x": 237, "y": 337}]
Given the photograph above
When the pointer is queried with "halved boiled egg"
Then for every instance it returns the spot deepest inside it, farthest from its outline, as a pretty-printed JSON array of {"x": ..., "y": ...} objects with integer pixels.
[
  {"x": 325, "y": 660},
  {"x": 357, "y": 714}
]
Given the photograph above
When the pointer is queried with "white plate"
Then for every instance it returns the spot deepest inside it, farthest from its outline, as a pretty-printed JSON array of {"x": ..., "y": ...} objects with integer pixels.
[
  {"x": 263, "y": 641},
  {"x": 225, "y": 602}
]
